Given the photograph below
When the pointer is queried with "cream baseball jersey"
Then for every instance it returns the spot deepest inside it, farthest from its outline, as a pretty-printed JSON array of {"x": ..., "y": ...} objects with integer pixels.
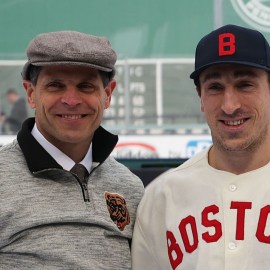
[{"x": 195, "y": 217}]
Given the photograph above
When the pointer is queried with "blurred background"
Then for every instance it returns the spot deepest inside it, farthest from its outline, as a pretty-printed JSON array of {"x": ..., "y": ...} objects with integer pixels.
[{"x": 155, "y": 108}]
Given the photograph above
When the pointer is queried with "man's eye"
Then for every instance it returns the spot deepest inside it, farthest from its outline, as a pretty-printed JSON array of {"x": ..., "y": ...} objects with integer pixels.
[
  {"x": 55, "y": 85},
  {"x": 245, "y": 85},
  {"x": 214, "y": 88},
  {"x": 87, "y": 87}
]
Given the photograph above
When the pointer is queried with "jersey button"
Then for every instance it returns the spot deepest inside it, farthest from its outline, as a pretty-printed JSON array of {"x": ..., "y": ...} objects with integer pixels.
[
  {"x": 232, "y": 246},
  {"x": 232, "y": 187}
]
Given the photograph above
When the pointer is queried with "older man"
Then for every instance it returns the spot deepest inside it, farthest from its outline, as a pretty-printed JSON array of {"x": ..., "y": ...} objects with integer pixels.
[{"x": 64, "y": 202}]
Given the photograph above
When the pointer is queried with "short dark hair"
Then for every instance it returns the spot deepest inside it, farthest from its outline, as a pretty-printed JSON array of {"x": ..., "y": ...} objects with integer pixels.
[{"x": 34, "y": 72}]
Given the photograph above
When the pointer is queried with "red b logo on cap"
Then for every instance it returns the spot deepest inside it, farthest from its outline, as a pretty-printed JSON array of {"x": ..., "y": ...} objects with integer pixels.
[{"x": 226, "y": 44}]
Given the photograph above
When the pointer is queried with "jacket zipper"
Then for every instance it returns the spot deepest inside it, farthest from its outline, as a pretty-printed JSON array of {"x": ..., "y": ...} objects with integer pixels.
[
  {"x": 85, "y": 192},
  {"x": 84, "y": 186}
]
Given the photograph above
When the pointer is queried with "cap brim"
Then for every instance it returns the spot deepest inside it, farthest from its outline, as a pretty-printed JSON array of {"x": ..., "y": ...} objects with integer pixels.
[
  {"x": 25, "y": 69},
  {"x": 196, "y": 73}
]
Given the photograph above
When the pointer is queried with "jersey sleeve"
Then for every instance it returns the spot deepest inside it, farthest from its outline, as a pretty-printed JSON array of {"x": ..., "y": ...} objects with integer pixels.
[{"x": 142, "y": 256}]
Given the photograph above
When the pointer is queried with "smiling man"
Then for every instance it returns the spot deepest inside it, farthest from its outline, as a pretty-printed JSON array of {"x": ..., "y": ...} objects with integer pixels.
[
  {"x": 213, "y": 212},
  {"x": 57, "y": 178}
]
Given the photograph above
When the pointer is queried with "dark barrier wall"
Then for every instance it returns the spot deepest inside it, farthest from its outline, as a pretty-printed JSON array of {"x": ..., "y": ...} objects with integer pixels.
[{"x": 149, "y": 169}]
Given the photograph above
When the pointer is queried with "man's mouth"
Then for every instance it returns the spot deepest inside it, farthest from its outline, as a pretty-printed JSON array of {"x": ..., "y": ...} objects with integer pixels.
[
  {"x": 234, "y": 123},
  {"x": 72, "y": 116}
]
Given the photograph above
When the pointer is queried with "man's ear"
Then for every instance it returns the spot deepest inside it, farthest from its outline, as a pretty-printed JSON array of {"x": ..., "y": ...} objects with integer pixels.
[
  {"x": 109, "y": 90},
  {"x": 30, "y": 93}
]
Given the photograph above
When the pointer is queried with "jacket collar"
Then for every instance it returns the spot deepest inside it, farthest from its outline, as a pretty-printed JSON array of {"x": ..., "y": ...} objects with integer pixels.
[{"x": 38, "y": 159}]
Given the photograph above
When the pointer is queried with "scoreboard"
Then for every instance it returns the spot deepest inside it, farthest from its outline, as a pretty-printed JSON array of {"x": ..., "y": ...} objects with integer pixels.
[{"x": 154, "y": 93}]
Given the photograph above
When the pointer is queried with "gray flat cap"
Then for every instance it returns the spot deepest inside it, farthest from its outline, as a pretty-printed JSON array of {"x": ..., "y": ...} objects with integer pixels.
[{"x": 70, "y": 48}]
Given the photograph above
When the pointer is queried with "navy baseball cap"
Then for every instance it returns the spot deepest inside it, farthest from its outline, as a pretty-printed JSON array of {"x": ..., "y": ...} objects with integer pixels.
[{"x": 231, "y": 44}]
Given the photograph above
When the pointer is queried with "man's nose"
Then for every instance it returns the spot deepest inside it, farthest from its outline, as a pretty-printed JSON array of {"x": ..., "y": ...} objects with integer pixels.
[
  {"x": 231, "y": 101},
  {"x": 71, "y": 97}
]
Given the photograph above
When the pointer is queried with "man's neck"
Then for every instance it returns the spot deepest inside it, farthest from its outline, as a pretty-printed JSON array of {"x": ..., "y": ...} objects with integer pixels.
[{"x": 238, "y": 162}]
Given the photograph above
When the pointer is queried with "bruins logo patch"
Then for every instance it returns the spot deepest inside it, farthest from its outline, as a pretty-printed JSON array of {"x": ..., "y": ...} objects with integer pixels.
[{"x": 117, "y": 208}]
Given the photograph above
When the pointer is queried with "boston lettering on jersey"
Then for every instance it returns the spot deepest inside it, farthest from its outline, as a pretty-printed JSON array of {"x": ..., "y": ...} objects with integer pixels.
[{"x": 175, "y": 251}]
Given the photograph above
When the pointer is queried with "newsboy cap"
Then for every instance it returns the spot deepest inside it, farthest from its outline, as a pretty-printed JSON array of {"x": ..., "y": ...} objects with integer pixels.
[{"x": 70, "y": 48}]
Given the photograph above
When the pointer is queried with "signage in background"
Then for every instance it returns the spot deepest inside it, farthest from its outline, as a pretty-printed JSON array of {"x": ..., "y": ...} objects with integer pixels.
[
  {"x": 151, "y": 146},
  {"x": 160, "y": 146},
  {"x": 256, "y": 13}
]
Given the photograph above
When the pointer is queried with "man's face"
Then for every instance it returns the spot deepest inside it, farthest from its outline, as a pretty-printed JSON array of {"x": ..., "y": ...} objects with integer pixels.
[
  {"x": 69, "y": 102},
  {"x": 236, "y": 102}
]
